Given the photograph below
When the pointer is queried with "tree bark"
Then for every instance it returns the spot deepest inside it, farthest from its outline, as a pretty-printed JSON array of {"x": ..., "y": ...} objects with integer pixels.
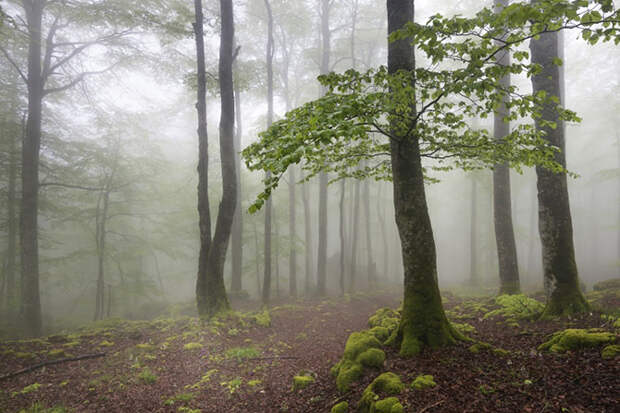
[
  {"x": 323, "y": 179},
  {"x": 212, "y": 299},
  {"x": 100, "y": 234},
  {"x": 292, "y": 261},
  {"x": 308, "y": 239},
  {"x": 355, "y": 230},
  {"x": 473, "y": 234},
  {"x": 204, "y": 214},
  {"x": 423, "y": 321},
  {"x": 268, "y": 203},
  {"x": 11, "y": 248},
  {"x": 502, "y": 205},
  {"x": 554, "y": 217},
  {"x": 237, "y": 229},
  {"x": 31, "y": 301},
  {"x": 370, "y": 264}
]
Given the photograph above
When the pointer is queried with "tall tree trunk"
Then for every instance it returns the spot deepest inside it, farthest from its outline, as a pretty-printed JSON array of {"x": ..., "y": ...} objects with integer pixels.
[
  {"x": 554, "y": 217},
  {"x": 11, "y": 248},
  {"x": 473, "y": 234},
  {"x": 100, "y": 234},
  {"x": 237, "y": 229},
  {"x": 384, "y": 238},
  {"x": 277, "y": 253},
  {"x": 268, "y": 204},
  {"x": 257, "y": 260},
  {"x": 423, "y": 321},
  {"x": 212, "y": 297},
  {"x": 323, "y": 179},
  {"x": 355, "y": 230},
  {"x": 31, "y": 300},
  {"x": 502, "y": 209},
  {"x": 342, "y": 238},
  {"x": 308, "y": 239},
  {"x": 292, "y": 261},
  {"x": 204, "y": 214},
  {"x": 370, "y": 264}
]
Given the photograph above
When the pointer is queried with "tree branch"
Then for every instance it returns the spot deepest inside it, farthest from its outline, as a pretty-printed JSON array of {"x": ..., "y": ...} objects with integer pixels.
[
  {"x": 49, "y": 363},
  {"x": 14, "y": 64},
  {"x": 77, "y": 80},
  {"x": 70, "y": 186}
]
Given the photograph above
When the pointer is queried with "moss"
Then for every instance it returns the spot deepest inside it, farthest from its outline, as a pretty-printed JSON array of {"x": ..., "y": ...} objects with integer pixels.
[
  {"x": 464, "y": 328},
  {"x": 106, "y": 343},
  {"x": 385, "y": 384},
  {"x": 56, "y": 353},
  {"x": 574, "y": 339},
  {"x": 301, "y": 382},
  {"x": 386, "y": 318},
  {"x": 501, "y": 352},
  {"x": 242, "y": 353},
  {"x": 611, "y": 351},
  {"x": 342, "y": 407},
  {"x": 485, "y": 389},
  {"x": 565, "y": 300},
  {"x": 517, "y": 306},
  {"x": 388, "y": 405},
  {"x": 381, "y": 333},
  {"x": 145, "y": 346},
  {"x": 479, "y": 346},
  {"x": 263, "y": 319},
  {"x": 24, "y": 355},
  {"x": 147, "y": 376},
  {"x": 422, "y": 382},
  {"x": 373, "y": 357},
  {"x": 192, "y": 346},
  {"x": 356, "y": 356}
]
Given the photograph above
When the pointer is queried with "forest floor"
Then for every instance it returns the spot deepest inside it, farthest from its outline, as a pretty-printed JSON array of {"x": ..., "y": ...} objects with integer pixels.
[{"x": 245, "y": 362}]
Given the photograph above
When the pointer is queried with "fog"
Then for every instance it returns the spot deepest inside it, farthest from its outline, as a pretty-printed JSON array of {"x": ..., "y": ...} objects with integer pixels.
[{"x": 119, "y": 156}]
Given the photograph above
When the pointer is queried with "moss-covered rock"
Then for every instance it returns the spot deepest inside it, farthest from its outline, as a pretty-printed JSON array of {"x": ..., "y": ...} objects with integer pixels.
[
  {"x": 302, "y": 381},
  {"x": 423, "y": 381},
  {"x": 263, "y": 319},
  {"x": 386, "y": 384},
  {"x": 342, "y": 407},
  {"x": 517, "y": 307},
  {"x": 479, "y": 346},
  {"x": 610, "y": 352},
  {"x": 386, "y": 318},
  {"x": 574, "y": 339},
  {"x": 361, "y": 350},
  {"x": 388, "y": 405},
  {"x": 381, "y": 333}
]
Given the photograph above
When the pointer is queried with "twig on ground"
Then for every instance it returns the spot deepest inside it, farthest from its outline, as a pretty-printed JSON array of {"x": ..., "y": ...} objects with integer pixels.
[{"x": 49, "y": 363}]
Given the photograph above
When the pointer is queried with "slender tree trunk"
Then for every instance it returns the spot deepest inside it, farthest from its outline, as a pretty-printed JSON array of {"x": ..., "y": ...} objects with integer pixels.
[
  {"x": 237, "y": 230},
  {"x": 31, "y": 300},
  {"x": 502, "y": 209},
  {"x": 257, "y": 260},
  {"x": 277, "y": 253},
  {"x": 292, "y": 262},
  {"x": 100, "y": 233},
  {"x": 384, "y": 238},
  {"x": 354, "y": 243},
  {"x": 342, "y": 238},
  {"x": 323, "y": 179},
  {"x": 308, "y": 239},
  {"x": 473, "y": 234},
  {"x": 11, "y": 249},
  {"x": 423, "y": 321},
  {"x": 212, "y": 298},
  {"x": 370, "y": 264},
  {"x": 268, "y": 204},
  {"x": 554, "y": 217},
  {"x": 204, "y": 214}
]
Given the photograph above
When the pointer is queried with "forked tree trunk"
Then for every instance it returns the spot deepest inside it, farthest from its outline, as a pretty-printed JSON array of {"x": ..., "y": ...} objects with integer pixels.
[
  {"x": 554, "y": 217},
  {"x": 423, "y": 321},
  {"x": 502, "y": 208}
]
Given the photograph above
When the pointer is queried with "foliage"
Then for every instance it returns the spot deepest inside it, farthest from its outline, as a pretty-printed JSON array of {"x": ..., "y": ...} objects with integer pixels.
[
  {"x": 233, "y": 385},
  {"x": 352, "y": 124},
  {"x": 242, "y": 353},
  {"x": 263, "y": 318}
]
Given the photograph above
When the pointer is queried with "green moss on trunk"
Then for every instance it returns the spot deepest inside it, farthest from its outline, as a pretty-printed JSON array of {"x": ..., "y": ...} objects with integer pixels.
[{"x": 566, "y": 299}]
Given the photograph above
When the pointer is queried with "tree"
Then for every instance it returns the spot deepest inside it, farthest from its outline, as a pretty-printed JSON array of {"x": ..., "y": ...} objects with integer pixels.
[
  {"x": 210, "y": 289},
  {"x": 502, "y": 206},
  {"x": 268, "y": 206},
  {"x": 426, "y": 112},
  {"x": 554, "y": 217}
]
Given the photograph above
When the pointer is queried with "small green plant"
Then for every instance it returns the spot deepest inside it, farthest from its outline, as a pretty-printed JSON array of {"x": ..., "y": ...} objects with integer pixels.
[
  {"x": 192, "y": 346},
  {"x": 106, "y": 343},
  {"x": 204, "y": 380},
  {"x": 263, "y": 319},
  {"x": 181, "y": 397},
  {"x": 233, "y": 385},
  {"x": 147, "y": 376},
  {"x": 184, "y": 409},
  {"x": 486, "y": 390},
  {"x": 28, "y": 389},
  {"x": 40, "y": 408},
  {"x": 242, "y": 353}
]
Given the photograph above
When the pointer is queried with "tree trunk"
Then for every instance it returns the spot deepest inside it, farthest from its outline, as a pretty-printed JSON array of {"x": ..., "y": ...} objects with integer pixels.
[
  {"x": 100, "y": 234},
  {"x": 323, "y": 179},
  {"x": 212, "y": 298},
  {"x": 554, "y": 217},
  {"x": 292, "y": 261},
  {"x": 473, "y": 234},
  {"x": 268, "y": 204},
  {"x": 370, "y": 264},
  {"x": 237, "y": 229},
  {"x": 11, "y": 248},
  {"x": 342, "y": 240},
  {"x": 31, "y": 300},
  {"x": 356, "y": 227},
  {"x": 423, "y": 321},
  {"x": 204, "y": 215},
  {"x": 308, "y": 239},
  {"x": 502, "y": 209}
]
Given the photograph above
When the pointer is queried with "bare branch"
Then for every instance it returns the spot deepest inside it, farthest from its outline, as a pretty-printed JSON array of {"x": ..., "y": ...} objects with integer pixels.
[
  {"x": 71, "y": 186},
  {"x": 14, "y": 64},
  {"x": 77, "y": 80}
]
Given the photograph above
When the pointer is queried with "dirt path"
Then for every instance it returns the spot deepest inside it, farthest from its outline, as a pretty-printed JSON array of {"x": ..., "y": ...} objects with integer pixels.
[{"x": 229, "y": 366}]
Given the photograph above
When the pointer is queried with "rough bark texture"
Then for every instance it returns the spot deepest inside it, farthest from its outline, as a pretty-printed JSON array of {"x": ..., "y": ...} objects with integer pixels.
[
  {"x": 212, "y": 298},
  {"x": 423, "y": 322},
  {"x": 268, "y": 204},
  {"x": 31, "y": 301},
  {"x": 323, "y": 180},
  {"x": 204, "y": 215},
  {"x": 554, "y": 217},
  {"x": 237, "y": 229},
  {"x": 502, "y": 207}
]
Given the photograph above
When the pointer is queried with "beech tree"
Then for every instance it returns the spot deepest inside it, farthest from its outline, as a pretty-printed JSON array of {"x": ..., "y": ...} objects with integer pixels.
[{"x": 424, "y": 112}]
